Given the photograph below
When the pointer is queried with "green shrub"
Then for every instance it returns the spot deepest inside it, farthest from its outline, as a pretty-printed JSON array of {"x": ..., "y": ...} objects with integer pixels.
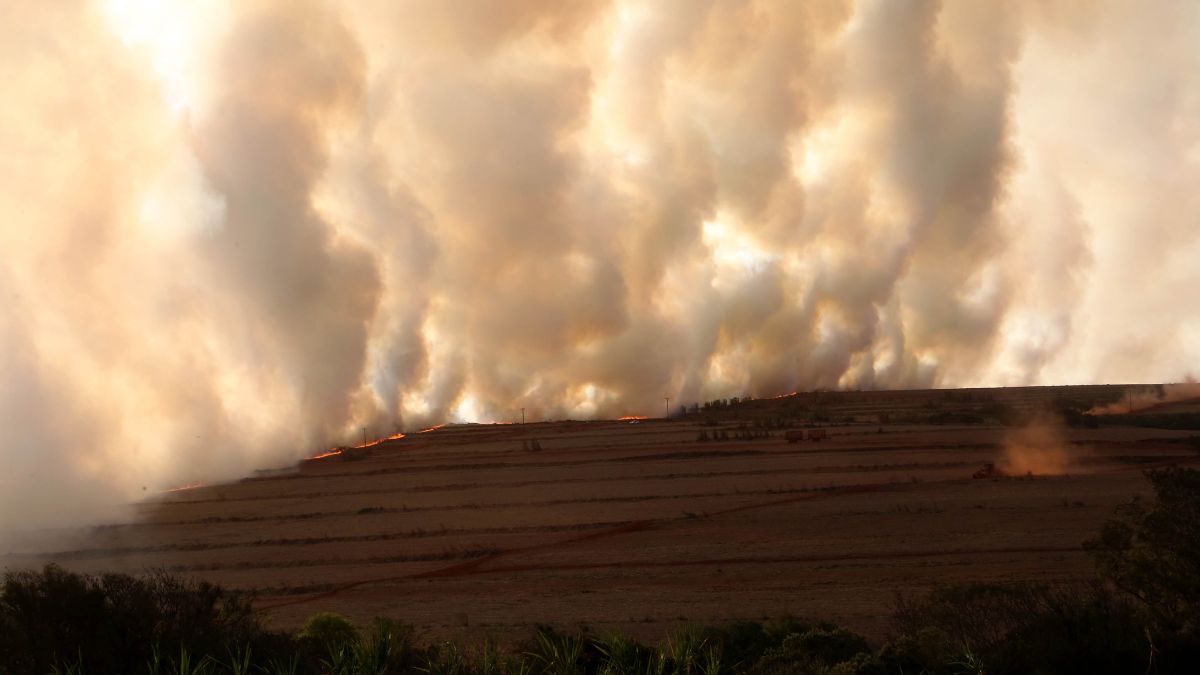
[
  {"x": 743, "y": 643},
  {"x": 1152, "y": 551},
  {"x": 829, "y": 645},
  {"x": 818, "y": 649},
  {"x": 329, "y": 630},
  {"x": 1091, "y": 631},
  {"x": 977, "y": 616},
  {"x": 1021, "y": 629},
  {"x": 925, "y": 651}
]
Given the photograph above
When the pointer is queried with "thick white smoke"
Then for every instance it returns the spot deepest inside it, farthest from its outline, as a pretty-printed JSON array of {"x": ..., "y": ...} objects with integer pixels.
[{"x": 236, "y": 232}]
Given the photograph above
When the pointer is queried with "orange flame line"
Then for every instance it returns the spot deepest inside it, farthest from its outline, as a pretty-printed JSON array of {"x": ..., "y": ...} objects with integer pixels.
[
  {"x": 338, "y": 451},
  {"x": 181, "y": 488},
  {"x": 393, "y": 437}
]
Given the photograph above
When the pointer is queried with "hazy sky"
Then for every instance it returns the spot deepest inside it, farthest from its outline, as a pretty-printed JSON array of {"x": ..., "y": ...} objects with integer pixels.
[{"x": 235, "y": 232}]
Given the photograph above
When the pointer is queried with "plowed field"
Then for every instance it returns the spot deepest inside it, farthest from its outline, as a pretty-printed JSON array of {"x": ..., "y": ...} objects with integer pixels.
[{"x": 641, "y": 526}]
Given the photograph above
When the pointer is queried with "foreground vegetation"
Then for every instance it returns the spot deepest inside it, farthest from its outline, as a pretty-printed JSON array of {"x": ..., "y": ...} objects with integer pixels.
[{"x": 1142, "y": 614}]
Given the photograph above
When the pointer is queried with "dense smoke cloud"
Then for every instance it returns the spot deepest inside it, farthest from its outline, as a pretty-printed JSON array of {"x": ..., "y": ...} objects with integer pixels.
[{"x": 238, "y": 232}]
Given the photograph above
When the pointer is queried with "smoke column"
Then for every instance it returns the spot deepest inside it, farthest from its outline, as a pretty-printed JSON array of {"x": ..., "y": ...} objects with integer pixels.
[{"x": 237, "y": 232}]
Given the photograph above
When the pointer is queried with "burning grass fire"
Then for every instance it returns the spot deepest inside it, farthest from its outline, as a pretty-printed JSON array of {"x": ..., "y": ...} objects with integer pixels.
[
  {"x": 184, "y": 488},
  {"x": 393, "y": 437},
  {"x": 334, "y": 452}
]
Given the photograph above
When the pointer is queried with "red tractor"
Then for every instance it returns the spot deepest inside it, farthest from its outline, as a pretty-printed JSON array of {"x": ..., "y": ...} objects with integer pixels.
[{"x": 989, "y": 470}]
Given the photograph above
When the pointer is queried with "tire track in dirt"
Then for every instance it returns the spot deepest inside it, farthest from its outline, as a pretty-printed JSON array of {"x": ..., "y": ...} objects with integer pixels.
[
  {"x": 479, "y": 466},
  {"x": 775, "y": 560},
  {"x": 463, "y": 568},
  {"x": 476, "y": 566},
  {"x": 371, "y": 510},
  {"x": 756, "y": 448},
  {"x": 471, "y": 554},
  {"x": 117, "y": 551},
  {"x": 458, "y": 487},
  {"x": 83, "y": 554}
]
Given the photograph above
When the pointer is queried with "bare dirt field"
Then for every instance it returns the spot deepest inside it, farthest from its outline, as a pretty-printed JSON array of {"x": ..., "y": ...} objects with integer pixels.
[{"x": 640, "y": 525}]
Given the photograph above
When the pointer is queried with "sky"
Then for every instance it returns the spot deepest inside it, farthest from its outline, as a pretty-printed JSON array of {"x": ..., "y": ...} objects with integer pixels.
[{"x": 236, "y": 233}]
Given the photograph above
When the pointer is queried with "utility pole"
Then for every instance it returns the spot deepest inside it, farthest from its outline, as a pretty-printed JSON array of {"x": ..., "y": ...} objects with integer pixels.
[
  {"x": 364, "y": 430},
  {"x": 522, "y": 416},
  {"x": 668, "y": 400}
]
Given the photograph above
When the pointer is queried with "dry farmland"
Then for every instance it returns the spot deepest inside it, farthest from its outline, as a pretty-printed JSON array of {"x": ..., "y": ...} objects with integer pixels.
[{"x": 638, "y": 526}]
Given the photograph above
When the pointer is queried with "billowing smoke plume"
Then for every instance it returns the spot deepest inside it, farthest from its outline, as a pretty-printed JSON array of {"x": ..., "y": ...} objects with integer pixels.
[{"x": 235, "y": 232}]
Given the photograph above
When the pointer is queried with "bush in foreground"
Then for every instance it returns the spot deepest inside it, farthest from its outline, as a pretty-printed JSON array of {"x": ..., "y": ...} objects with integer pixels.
[{"x": 117, "y": 623}]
